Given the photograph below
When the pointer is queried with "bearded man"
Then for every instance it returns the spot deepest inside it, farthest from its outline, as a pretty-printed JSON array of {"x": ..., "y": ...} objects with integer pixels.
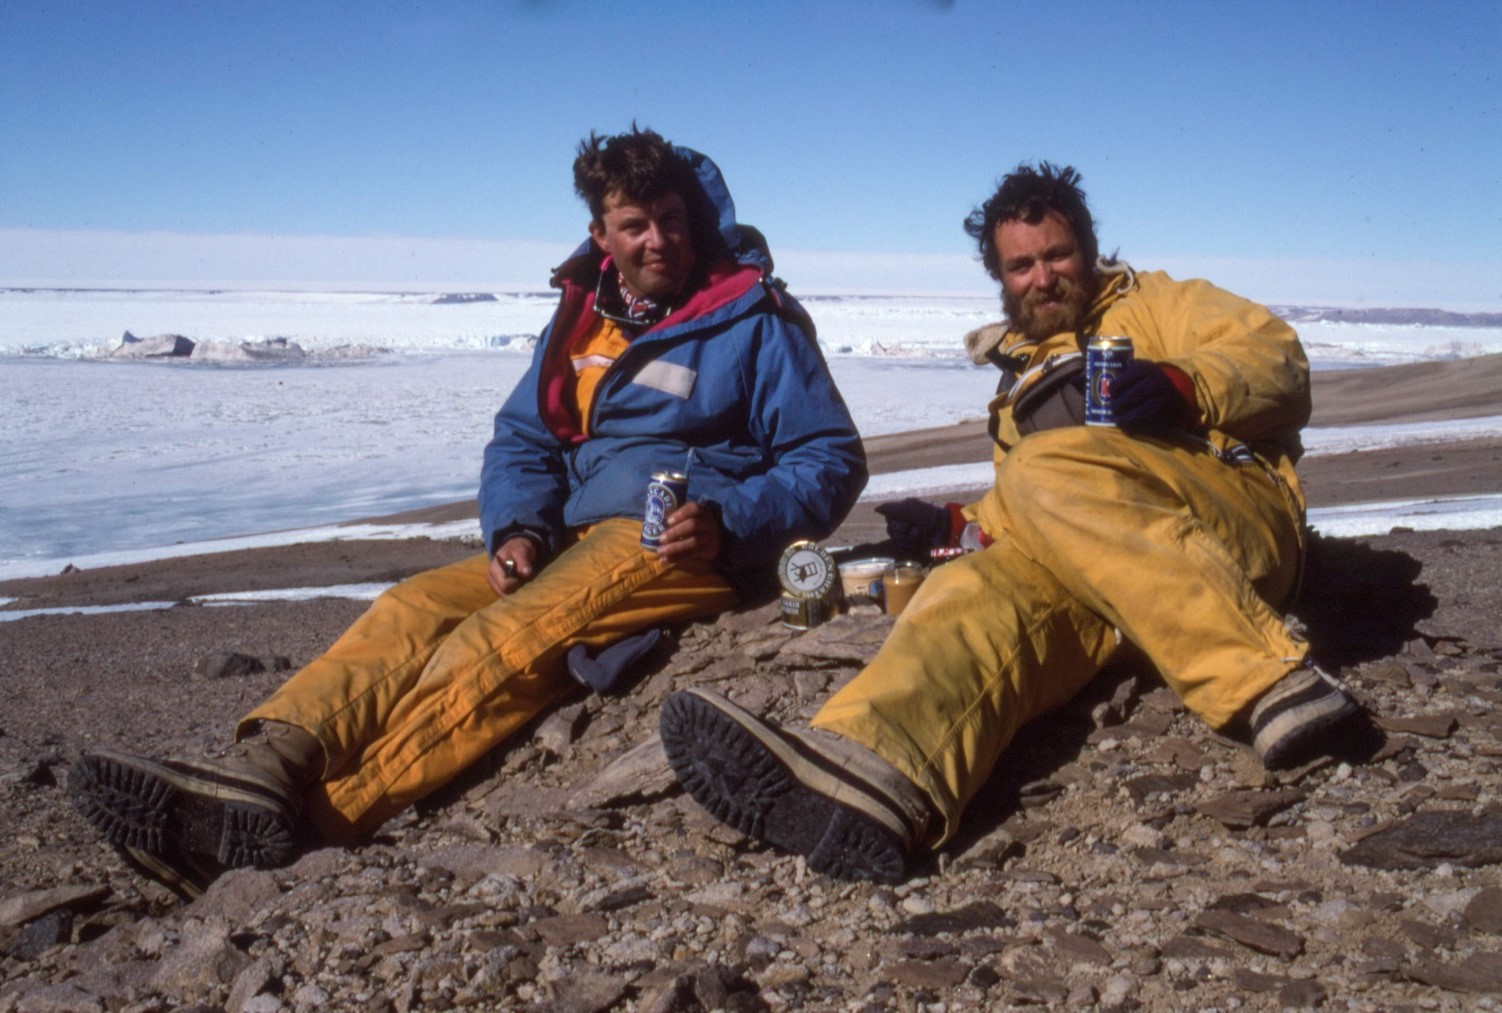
[
  {"x": 673, "y": 349},
  {"x": 1180, "y": 531}
]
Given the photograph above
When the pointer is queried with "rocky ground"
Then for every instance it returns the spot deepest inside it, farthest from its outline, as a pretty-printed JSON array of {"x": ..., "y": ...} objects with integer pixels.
[{"x": 1123, "y": 858}]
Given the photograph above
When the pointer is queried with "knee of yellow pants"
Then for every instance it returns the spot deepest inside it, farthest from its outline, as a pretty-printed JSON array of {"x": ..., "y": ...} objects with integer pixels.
[
  {"x": 353, "y": 686},
  {"x": 989, "y": 642},
  {"x": 1180, "y": 550},
  {"x": 502, "y": 665}
]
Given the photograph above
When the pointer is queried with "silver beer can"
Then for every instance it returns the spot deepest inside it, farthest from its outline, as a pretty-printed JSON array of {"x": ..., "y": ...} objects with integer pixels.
[
  {"x": 666, "y": 492},
  {"x": 1104, "y": 358}
]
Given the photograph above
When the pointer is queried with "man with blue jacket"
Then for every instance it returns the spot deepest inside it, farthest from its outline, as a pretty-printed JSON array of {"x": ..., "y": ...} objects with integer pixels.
[{"x": 672, "y": 349}]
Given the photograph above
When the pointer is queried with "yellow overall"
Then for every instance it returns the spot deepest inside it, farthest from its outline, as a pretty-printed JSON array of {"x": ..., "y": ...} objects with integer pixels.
[
  {"x": 1176, "y": 545},
  {"x": 440, "y": 670}
]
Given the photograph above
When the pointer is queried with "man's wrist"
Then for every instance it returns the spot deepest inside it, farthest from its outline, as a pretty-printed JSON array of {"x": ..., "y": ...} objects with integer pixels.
[{"x": 539, "y": 540}]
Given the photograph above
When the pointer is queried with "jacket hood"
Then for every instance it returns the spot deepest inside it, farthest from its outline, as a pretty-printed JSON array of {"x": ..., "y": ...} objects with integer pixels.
[{"x": 710, "y": 205}]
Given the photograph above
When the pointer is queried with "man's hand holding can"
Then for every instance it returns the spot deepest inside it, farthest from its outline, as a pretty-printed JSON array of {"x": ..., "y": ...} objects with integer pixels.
[{"x": 693, "y": 531}]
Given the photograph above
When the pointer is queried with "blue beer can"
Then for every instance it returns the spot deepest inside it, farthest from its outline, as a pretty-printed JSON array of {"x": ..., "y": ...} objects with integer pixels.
[
  {"x": 665, "y": 493},
  {"x": 1104, "y": 357}
]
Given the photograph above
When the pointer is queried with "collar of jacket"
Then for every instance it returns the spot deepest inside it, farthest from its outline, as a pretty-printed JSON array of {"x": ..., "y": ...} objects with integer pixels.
[
  {"x": 991, "y": 342},
  {"x": 721, "y": 286}
]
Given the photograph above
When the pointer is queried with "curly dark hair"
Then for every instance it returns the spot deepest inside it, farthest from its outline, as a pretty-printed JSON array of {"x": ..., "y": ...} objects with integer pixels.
[
  {"x": 1026, "y": 194},
  {"x": 640, "y": 164}
]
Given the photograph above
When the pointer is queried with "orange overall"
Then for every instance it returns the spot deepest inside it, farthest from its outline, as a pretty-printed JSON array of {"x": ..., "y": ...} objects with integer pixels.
[{"x": 440, "y": 670}]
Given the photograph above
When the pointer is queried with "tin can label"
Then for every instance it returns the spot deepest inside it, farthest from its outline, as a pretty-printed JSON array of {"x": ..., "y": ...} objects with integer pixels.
[
  {"x": 800, "y": 612},
  {"x": 1104, "y": 358},
  {"x": 665, "y": 493},
  {"x": 806, "y": 570}
]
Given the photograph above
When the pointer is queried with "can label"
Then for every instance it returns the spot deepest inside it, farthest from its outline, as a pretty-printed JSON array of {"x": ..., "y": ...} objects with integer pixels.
[
  {"x": 665, "y": 493},
  {"x": 1104, "y": 358},
  {"x": 800, "y": 612}
]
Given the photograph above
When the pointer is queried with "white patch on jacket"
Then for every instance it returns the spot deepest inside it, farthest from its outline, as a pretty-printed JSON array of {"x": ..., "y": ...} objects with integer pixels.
[{"x": 668, "y": 377}]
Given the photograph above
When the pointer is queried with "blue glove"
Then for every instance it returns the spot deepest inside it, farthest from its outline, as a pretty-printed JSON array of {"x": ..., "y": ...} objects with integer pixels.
[
  {"x": 1145, "y": 399},
  {"x": 914, "y": 525},
  {"x": 608, "y": 667}
]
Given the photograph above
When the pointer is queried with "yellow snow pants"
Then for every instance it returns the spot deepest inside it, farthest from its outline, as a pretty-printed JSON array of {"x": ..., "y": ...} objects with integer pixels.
[
  {"x": 439, "y": 670},
  {"x": 1176, "y": 549}
]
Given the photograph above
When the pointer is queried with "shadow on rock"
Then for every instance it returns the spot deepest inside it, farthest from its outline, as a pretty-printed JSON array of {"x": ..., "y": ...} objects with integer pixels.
[{"x": 1359, "y": 603}]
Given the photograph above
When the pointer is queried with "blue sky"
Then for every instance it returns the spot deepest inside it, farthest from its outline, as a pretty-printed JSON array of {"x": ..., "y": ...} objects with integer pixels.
[{"x": 1282, "y": 146}]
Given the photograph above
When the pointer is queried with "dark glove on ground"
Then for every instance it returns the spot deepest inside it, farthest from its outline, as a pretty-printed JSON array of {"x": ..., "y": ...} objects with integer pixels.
[
  {"x": 914, "y": 525},
  {"x": 611, "y": 664},
  {"x": 1145, "y": 398}
]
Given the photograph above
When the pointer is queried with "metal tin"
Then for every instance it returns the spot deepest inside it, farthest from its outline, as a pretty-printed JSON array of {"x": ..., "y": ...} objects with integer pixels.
[
  {"x": 665, "y": 493},
  {"x": 806, "y": 570},
  {"x": 807, "y": 575},
  {"x": 800, "y": 612},
  {"x": 1104, "y": 357}
]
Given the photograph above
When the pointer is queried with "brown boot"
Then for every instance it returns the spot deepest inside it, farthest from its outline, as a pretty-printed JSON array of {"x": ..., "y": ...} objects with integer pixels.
[
  {"x": 814, "y": 793},
  {"x": 281, "y": 752},
  {"x": 191, "y": 815}
]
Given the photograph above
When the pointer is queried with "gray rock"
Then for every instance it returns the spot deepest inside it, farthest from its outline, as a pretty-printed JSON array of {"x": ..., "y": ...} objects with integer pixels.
[
  {"x": 32, "y": 772},
  {"x": 161, "y": 346},
  {"x": 1478, "y": 973},
  {"x": 42, "y": 934},
  {"x": 642, "y": 772},
  {"x": 235, "y": 665},
  {"x": 1076, "y": 949},
  {"x": 237, "y": 896},
  {"x": 1251, "y": 933},
  {"x": 1484, "y": 911},
  {"x": 1433, "y": 726},
  {"x": 1304, "y": 994},
  {"x": 204, "y": 959},
  {"x": 1427, "y": 839},
  {"x": 268, "y": 350},
  {"x": 970, "y": 918},
  {"x": 61, "y": 998},
  {"x": 256, "y": 978},
  {"x": 1242, "y": 809},
  {"x": 568, "y": 930},
  {"x": 18, "y": 909},
  {"x": 927, "y": 973},
  {"x": 559, "y": 729}
]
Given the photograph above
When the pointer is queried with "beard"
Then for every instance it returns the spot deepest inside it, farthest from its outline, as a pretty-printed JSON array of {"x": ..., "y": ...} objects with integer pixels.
[{"x": 1046, "y": 312}]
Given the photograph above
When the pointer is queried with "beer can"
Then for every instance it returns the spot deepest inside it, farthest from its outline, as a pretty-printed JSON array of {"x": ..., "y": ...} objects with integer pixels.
[
  {"x": 1104, "y": 357},
  {"x": 665, "y": 493},
  {"x": 944, "y": 554}
]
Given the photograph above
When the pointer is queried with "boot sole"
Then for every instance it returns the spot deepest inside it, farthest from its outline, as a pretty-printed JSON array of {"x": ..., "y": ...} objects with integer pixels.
[
  {"x": 179, "y": 874},
  {"x": 165, "y": 808},
  {"x": 759, "y": 782}
]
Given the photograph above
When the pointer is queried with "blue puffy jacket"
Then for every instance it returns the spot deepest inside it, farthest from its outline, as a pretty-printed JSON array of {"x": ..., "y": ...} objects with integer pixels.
[{"x": 731, "y": 389}]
